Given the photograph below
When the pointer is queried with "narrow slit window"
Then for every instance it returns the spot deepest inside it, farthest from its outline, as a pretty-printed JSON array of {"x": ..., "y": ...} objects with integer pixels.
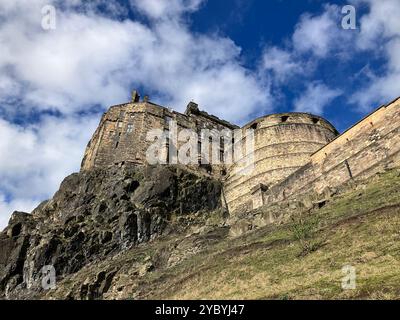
[
  {"x": 222, "y": 156},
  {"x": 168, "y": 120},
  {"x": 199, "y": 151}
]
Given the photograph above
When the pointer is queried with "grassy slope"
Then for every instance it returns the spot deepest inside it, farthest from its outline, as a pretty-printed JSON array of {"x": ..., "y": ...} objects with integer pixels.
[
  {"x": 299, "y": 260},
  {"x": 359, "y": 228}
]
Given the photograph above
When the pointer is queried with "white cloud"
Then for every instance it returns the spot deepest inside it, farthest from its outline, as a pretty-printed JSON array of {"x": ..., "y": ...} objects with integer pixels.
[
  {"x": 382, "y": 22},
  {"x": 35, "y": 159},
  {"x": 24, "y": 205},
  {"x": 320, "y": 37},
  {"x": 85, "y": 61},
  {"x": 282, "y": 63},
  {"x": 320, "y": 34},
  {"x": 165, "y": 8},
  {"x": 316, "y": 98},
  {"x": 91, "y": 59},
  {"x": 380, "y": 35}
]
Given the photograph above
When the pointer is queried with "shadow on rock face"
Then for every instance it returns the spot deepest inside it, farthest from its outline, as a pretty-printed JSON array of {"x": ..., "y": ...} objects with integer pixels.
[{"x": 96, "y": 214}]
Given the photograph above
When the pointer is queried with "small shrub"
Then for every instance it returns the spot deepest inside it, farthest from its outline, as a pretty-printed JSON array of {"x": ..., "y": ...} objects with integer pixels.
[{"x": 304, "y": 230}]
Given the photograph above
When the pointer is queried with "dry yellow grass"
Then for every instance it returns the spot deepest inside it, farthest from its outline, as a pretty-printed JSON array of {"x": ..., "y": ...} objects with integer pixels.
[{"x": 360, "y": 228}]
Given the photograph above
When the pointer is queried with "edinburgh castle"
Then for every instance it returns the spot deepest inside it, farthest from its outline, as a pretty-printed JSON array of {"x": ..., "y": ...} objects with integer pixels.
[{"x": 292, "y": 153}]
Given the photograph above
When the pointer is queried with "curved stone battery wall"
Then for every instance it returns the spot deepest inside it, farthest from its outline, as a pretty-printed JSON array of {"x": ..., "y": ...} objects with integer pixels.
[{"x": 283, "y": 144}]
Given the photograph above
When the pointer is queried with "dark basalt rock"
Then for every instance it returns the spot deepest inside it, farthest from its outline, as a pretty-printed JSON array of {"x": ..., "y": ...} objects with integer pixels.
[{"x": 93, "y": 215}]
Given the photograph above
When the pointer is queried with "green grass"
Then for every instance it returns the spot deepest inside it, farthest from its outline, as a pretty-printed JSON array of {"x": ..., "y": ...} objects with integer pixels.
[{"x": 301, "y": 259}]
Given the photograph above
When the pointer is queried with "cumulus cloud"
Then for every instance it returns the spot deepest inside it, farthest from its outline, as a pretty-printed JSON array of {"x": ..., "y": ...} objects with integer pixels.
[
  {"x": 318, "y": 38},
  {"x": 91, "y": 59},
  {"x": 316, "y": 97},
  {"x": 321, "y": 34},
  {"x": 35, "y": 159},
  {"x": 380, "y": 35},
  {"x": 381, "y": 23},
  {"x": 282, "y": 63},
  {"x": 165, "y": 9},
  {"x": 94, "y": 58},
  {"x": 24, "y": 205}
]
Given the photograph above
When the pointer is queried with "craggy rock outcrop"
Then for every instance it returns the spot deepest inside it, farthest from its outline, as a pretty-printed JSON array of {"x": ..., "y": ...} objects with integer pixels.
[{"x": 98, "y": 214}]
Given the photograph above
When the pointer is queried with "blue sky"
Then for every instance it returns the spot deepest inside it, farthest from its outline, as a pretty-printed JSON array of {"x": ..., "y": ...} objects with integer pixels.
[{"x": 238, "y": 59}]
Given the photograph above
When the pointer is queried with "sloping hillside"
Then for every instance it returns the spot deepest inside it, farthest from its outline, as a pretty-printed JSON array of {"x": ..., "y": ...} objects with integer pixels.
[{"x": 301, "y": 259}]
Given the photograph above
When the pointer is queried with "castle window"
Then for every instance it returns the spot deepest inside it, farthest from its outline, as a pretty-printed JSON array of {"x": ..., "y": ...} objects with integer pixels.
[
  {"x": 315, "y": 120},
  {"x": 221, "y": 156},
  {"x": 119, "y": 124},
  {"x": 222, "y": 149},
  {"x": 199, "y": 151},
  {"x": 254, "y": 126},
  {"x": 167, "y": 147},
  {"x": 111, "y": 133},
  {"x": 129, "y": 128},
  {"x": 117, "y": 142},
  {"x": 222, "y": 143},
  {"x": 168, "y": 120},
  {"x": 285, "y": 118}
]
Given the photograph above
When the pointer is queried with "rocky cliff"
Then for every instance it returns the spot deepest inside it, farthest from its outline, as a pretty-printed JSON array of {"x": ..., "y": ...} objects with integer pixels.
[
  {"x": 161, "y": 233},
  {"x": 96, "y": 215}
]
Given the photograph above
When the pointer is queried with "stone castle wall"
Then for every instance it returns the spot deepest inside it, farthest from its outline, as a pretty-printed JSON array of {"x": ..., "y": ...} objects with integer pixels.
[
  {"x": 122, "y": 133},
  {"x": 293, "y": 154},
  {"x": 283, "y": 144},
  {"x": 370, "y": 146}
]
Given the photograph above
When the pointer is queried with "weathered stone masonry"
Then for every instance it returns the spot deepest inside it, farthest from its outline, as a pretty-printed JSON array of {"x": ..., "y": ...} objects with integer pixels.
[
  {"x": 294, "y": 153},
  {"x": 283, "y": 144},
  {"x": 370, "y": 146},
  {"x": 121, "y": 135}
]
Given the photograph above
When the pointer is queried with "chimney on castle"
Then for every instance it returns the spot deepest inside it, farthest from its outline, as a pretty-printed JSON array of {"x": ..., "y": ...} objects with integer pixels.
[
  {"x": 192, "y": 108},
  {"x": 135, "y": 96},
  {"x": 146, "y": 98}
]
